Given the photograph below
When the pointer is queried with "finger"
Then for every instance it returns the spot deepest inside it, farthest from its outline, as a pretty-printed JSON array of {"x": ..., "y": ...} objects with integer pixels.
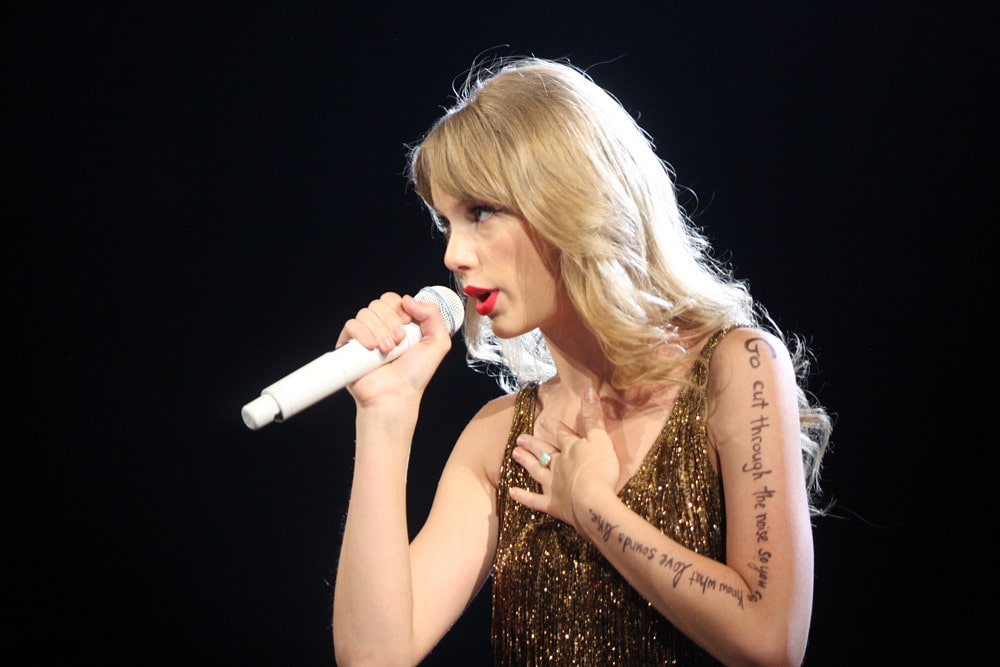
[
  {"x": 350, "y": 331},
  {"x": 373, "y": 330},
  {"x": 426, "y": 315},
  {"x": 539, "y": 456},
  {"x": 557, "y": 433},
  {"x": 390, "y": 320},
  {"x": 591, "y": 414},
  {"x": 389, "y": 306},
  {"x": 531, "y": 461},
  {"x": 535, "y": 445},
  {"x": 534, "y": 501},
  {"x": 379, "y": 325},
  {"x": 365, "y": 329}
]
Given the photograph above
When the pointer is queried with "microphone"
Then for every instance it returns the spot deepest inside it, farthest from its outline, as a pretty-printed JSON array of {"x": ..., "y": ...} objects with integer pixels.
[{"x": 334, "y": 370}]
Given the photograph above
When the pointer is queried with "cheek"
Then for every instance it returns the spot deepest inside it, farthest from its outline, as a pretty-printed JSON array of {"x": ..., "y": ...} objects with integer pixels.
[{"x": 541, "y": 289}]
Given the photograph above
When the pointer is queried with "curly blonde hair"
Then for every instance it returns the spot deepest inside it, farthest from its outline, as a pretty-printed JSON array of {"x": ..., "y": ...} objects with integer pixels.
[{"x": 544, "y": 141}]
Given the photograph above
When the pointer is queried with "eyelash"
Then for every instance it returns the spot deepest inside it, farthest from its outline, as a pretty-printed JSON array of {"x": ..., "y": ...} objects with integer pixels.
[{"x": 475, "y": 211}]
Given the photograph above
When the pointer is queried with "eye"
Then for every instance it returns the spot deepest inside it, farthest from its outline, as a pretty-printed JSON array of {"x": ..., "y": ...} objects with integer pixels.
[{"x": 482, "y": 213}]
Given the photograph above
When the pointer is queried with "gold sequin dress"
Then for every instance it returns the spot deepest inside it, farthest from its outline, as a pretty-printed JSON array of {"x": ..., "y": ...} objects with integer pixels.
[{"x": 556, "y": 600}]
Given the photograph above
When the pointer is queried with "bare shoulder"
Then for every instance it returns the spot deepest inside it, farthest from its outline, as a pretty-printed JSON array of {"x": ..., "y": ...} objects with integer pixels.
[
  {"x": 484, "y": 439},
  {"x": 750, "y": 370},
  {"x": 745, "y": 352}
]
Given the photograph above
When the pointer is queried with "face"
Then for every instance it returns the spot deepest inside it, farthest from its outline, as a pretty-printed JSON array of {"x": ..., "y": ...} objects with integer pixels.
[{"x": 500, "y": 266}]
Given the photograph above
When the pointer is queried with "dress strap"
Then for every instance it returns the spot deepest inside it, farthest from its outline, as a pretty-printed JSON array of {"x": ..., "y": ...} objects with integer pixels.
[
  {"x": 524, "y": 413},
  {"x": 713, "y": 342},
  {"x": 700, "y": 374}
]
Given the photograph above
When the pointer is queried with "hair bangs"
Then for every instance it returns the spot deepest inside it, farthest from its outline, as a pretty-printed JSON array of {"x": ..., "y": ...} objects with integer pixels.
[{"x": 464, "y": 157}]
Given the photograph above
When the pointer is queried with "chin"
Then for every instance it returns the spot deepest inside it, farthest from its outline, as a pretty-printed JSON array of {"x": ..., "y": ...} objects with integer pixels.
[{"x": 506, "y": 333}]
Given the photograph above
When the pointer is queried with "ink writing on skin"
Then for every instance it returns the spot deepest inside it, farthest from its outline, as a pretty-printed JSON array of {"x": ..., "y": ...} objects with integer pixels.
[
  {"x": 758, "y": 395},
  {"x": 756, "y": 467},
  {"x": 628, "y": 544},
  {"x": 609, "y": 532},
  {"x": 761, "y": 567},
  {"x": 761, "y": 497},
  {"x": 603, "y": 527},
  {"x": 706, "y": 583},
  {"x": 753, "y": 346},
  {"x": 671, "y": 564}
]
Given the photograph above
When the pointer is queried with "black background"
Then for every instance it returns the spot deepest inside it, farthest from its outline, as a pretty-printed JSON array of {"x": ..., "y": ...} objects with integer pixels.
[{"x": 200, "y": 194}]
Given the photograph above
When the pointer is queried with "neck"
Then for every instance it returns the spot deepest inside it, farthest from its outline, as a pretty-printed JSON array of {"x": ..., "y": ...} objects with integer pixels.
[{"x": 581, "y": 364}]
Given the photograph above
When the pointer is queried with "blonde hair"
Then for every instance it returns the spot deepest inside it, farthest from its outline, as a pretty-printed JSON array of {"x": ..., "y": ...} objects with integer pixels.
[{"x": 544, "y": 141}]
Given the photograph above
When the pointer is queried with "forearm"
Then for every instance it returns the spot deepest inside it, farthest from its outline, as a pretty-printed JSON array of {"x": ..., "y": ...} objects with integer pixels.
[
  {"x": 709, "y": 601},
  {"x": 373, "y": 608}
]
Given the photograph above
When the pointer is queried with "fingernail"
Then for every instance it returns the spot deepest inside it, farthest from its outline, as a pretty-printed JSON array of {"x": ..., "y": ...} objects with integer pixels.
[
  {"x": 398, "y": 332},
  {"x": 590, "y": 396}
]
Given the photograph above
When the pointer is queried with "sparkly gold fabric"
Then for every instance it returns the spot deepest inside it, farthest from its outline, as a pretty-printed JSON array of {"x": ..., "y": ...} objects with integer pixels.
[{"x": 556, "y": 600}]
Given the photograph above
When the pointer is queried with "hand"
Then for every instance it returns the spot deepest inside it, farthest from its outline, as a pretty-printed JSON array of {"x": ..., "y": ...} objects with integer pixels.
[
  {"x": 580, "y": 463},
  {"x": 380, "y": 325}
]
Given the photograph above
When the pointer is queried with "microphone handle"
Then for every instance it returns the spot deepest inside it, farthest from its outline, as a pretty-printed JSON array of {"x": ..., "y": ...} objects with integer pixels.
[{"x": 320, "y": 378}]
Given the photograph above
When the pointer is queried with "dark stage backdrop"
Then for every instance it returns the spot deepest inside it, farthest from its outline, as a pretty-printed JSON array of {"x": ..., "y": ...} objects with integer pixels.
[{"x": 199, "y": 194}]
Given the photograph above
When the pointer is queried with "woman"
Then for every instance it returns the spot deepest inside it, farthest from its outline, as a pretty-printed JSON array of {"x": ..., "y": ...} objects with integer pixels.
[{"x": 643, "y": 497}]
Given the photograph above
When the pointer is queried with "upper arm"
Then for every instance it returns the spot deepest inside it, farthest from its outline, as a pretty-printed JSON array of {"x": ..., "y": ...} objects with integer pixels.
[
  {"x": 753, "y": 422},
  {"x": 452, "y": 554}
]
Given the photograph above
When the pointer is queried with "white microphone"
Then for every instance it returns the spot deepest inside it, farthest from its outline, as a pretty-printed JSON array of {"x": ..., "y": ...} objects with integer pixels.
[{"x": 335, "y": 370}]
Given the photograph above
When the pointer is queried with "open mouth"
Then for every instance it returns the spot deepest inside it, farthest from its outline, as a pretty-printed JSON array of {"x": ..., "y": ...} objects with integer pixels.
[{"x": 485, "y": 298}]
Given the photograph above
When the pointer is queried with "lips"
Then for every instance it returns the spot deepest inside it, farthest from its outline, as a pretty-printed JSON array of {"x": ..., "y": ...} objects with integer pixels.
[{"x": 486, "y": 299}]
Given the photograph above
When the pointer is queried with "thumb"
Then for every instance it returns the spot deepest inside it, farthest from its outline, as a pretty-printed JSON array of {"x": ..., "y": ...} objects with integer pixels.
[
  {"x": 591, "y": 413},
  {"x": 426, "y": 315}
]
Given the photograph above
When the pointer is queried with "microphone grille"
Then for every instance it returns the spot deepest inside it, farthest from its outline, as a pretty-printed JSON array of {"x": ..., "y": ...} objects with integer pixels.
[{"x": 448, "y": 303}]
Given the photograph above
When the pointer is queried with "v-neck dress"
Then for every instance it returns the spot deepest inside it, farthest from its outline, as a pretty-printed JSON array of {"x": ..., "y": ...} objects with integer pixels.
[{"x": 556, "y": 599}]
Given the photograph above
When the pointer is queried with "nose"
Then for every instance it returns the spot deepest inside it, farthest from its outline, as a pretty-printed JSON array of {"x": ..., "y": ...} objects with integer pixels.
[{"x": 459, "y": 255}]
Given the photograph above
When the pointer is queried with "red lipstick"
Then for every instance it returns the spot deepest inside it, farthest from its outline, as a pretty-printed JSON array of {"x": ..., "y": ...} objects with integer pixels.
[{"x": 486, "y": 299}]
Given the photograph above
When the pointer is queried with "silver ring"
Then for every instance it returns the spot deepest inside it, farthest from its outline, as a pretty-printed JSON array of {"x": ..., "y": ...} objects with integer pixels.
[{"x": 545, "y": 458}]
